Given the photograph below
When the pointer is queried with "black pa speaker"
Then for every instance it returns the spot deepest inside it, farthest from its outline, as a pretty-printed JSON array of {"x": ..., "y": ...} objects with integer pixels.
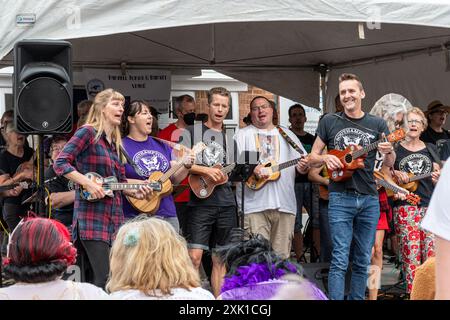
[{"x": 43, "y": 92}]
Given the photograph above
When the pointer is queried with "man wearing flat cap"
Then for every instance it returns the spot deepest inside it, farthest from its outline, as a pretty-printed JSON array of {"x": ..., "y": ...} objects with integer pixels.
[{"x": 436, "y": 115}]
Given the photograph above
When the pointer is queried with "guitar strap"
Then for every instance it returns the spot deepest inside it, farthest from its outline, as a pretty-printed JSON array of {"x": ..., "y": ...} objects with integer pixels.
[
  {"x": 433, "y": 153},
  {"x": 132, "y": 163},
  {"x": 356, "y": 124},
  {"x": 173, "y": 145},
  {"x": 290, "y": 141}
]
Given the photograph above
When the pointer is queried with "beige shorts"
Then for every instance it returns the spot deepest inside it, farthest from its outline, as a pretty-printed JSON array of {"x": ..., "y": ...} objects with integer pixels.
[{"x": 275, "y": 226}]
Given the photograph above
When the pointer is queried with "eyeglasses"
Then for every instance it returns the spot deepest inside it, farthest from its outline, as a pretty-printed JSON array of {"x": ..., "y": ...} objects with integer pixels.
[
  {"x": 257, "y": 108},
  {"x": 415, "y": 121}
]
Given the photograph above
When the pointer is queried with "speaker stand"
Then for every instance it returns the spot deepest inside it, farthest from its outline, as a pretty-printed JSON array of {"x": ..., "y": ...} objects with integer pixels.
[{"x": 41, "y": 193}]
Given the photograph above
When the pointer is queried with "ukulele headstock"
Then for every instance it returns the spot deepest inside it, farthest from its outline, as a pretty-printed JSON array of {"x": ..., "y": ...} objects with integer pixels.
[
  {"x": 413, "y": 199},
  {"x": 397, "y": 135}
]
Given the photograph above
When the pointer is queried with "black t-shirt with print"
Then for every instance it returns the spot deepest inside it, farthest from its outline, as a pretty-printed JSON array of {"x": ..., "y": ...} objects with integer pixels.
[
  {"x": 337, "y": 132},
  {"x": 214, "y": 153},
  {"x": 307, "y": 141},
  {"x": 417, "y": 162},
  {"x": 9, "y": 164}
]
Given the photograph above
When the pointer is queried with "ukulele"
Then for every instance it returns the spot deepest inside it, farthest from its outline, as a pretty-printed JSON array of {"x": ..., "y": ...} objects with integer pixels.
[
  {"x": 391, "y": 188},
  {"x": 111, "y": 184},
  {"x": 203, "y": 186},
  {"x": 273, "y": 169},
  {"x": 150, "y": 206},
  {"x": 413, "y": 182},
  {"x": 352, "y": 158}
]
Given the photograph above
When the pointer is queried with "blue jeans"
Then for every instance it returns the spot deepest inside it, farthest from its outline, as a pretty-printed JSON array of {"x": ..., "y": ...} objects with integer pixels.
[{"x": 351, "y": 216}]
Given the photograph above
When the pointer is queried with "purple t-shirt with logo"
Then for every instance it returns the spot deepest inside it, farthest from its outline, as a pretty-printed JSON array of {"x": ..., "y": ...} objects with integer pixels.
[{"x": 150, "y": 155}]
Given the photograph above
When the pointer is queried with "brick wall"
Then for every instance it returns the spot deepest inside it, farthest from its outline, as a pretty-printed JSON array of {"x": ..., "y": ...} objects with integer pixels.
[{"x": 245, "y": 98}]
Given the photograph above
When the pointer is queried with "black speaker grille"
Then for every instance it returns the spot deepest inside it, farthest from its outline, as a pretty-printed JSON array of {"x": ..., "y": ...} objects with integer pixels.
[{"x": 44, "y": 105}]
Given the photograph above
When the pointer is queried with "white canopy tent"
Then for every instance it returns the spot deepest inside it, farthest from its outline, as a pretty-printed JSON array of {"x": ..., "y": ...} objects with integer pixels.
[{"x": 278, "y": 45}]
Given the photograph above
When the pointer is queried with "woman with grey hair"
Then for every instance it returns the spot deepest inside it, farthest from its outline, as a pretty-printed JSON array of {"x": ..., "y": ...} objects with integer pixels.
[{"x": 392, "y": 108}]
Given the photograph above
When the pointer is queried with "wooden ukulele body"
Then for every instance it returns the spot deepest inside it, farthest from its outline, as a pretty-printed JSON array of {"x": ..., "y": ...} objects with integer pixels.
[
  {"x": 152, "y": 205},
  {"x": 203, "y": 186},
  {"x": 255, "y": 184},
  {"x": 349, "y": 164},
  {"x": 412, "y": 185}
]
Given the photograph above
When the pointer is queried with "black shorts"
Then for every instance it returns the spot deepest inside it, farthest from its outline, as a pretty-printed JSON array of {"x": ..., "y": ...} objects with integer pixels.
[{"x": 210, "y": 227}]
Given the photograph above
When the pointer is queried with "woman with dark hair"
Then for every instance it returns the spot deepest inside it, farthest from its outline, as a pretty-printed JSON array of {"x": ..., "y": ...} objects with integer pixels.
[
  {"x": 255, "y": 271},
  {"x": 39, "y": 252},
  {"x": 16, "y": 162},
  {"x": 8, "y": 116},
  {"x": 149, "y": 156}
]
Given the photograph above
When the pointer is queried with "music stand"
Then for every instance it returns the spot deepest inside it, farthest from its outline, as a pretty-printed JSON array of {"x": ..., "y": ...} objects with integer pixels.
[{"x": 245, "y": 165}]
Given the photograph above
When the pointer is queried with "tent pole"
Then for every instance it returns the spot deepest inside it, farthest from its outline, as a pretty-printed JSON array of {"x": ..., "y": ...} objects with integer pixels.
[{"x": 322, "y": 69}]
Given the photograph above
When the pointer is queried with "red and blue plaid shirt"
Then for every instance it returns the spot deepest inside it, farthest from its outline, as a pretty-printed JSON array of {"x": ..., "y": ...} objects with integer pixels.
[{"x": 101, "y": 219}]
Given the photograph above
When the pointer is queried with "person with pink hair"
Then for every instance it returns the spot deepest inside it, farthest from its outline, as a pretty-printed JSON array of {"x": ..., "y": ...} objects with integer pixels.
[{"x": 39, "y": 252}]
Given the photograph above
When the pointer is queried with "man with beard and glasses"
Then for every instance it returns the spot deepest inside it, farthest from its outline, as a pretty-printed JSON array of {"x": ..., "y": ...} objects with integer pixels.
[{"x": 270, "y": 210}]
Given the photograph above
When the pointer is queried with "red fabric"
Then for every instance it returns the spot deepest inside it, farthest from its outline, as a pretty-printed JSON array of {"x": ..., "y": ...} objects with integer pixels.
[
  {"x": 383, "y": 222},
  {"x": 170, "y": 134},
  {"x": 385, "y": 210}
]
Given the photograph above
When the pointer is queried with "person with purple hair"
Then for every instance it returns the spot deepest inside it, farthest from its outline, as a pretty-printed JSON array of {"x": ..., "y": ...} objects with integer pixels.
[{"x": 256, "y": 272}]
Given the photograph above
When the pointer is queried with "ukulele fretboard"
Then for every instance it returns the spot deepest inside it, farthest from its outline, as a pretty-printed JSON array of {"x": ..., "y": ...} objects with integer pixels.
[
  {"x": 127, "y": 186},
  {"x": 228, "y": 168},
  {"x": 389, "y": 186},
  {"x": 285, "y": 165},
  {"x": 420, "y": 176}
]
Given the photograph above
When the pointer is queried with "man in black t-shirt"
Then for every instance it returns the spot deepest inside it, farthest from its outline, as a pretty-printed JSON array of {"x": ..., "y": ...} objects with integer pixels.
[
  {"x": 211, "y": 219},
  {"x": 353, "y": 204},
  {"x": 303, "y": 188},
  {"x": 436, "y": 116}
]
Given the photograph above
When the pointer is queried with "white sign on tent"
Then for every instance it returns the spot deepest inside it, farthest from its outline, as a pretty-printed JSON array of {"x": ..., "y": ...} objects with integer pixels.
[{"x": 149, "y": 85}]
